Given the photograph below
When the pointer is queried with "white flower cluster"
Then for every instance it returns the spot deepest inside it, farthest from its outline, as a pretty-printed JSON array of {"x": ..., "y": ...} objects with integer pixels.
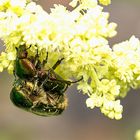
[
  {"x": 127, "y": 61},
  {"x": 116, "y": 78}
]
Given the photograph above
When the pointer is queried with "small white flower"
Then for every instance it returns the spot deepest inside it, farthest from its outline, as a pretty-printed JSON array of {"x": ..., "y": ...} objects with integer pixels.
[{"x": 90, "y": 103}]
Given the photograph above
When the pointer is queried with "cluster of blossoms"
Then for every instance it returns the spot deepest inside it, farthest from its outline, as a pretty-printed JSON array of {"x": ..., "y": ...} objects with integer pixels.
[{"x": 79, "y": 36}]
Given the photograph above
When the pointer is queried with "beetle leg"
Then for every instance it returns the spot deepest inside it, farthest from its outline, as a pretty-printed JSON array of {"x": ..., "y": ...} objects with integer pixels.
[
  {"x": 65, "y": 88},
  {"x": 47, "y": 77},
  {"x": 57, "y": 63},
  {"x": 35, "y": 91},
  {"x": 29, "y": 47},
  {"x": 69, "y": 82},
  {"x": 76, "y": 80},
  {"x": 14, "y": 73},
  {"x": 37, "y": 62},
  {"x": 53, "y": 88},
  {"x": 45, "y": 61}
]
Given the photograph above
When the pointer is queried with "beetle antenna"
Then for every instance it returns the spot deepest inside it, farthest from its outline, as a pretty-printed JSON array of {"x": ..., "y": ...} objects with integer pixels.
[
  {"x": 72, "y": 82},
  {"x": 77, "y": 80}
]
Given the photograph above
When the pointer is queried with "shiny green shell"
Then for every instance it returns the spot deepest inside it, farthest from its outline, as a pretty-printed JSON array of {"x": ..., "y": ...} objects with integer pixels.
[
  {"x": 24, "y": 67},
  {"x": 33, "y": 99}
]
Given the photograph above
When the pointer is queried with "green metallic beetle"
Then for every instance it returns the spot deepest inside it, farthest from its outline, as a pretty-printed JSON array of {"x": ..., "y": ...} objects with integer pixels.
[
  {"x": 42, "y": 97},
  {"x": 24, "y": 67},
  {"x": 38, "y": 90},
  {"x": 37, "y": 100},
  {"x": 32, "y": 69},
  {"x": 54, "y": 83}
]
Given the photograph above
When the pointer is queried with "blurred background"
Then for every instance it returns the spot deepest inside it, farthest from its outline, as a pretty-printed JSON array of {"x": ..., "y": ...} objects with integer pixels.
[{"x": 77, "y": 122}]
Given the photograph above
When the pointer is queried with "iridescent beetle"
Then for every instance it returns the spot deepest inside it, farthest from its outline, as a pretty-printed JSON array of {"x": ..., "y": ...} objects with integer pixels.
[
  {"x": 32, "y": 69},
  {"x": 46, "y": 87},
  {"x": 24, "y": 67},
  {"x": 37, "y": 101}
]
